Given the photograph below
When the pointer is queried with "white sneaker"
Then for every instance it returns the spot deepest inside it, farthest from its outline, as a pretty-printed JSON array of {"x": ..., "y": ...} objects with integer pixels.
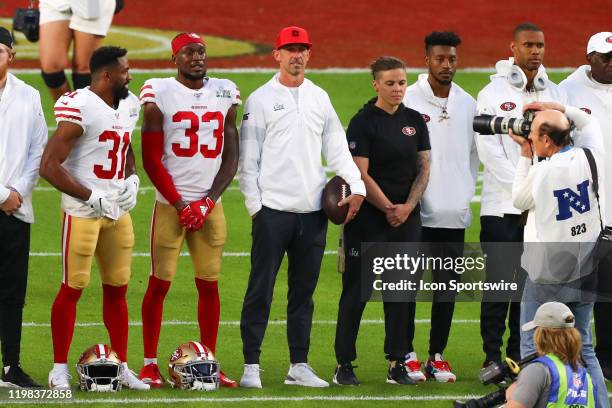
[
  {"x": 303, "y": 374},
  {"x": 131, "y": 381},
  {"x": 250, "y": 376},
  {"x": 413, "y": 366},
  {"x": 59, "y": 379}
]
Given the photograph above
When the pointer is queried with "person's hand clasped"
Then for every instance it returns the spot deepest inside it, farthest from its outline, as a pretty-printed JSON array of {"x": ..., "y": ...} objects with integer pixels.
[
  {"x": 12, "y": 203},
  {"x": 397, "y": 214},
  {"x": 354, "y": 202}
]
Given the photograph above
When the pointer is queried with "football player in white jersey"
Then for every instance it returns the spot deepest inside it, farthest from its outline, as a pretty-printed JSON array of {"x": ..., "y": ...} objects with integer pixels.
[
  {"x": 190, "y": 152},
  {"x": 90, "y": 160}
]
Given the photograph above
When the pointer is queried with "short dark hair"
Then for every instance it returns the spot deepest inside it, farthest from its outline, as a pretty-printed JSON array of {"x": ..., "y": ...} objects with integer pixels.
[
  {"x": 561, "y": 136},
  {"x": 447, "y": 38},
  {"x": 105, "y": 56},
  {"x": 386, "y": 64},
  {"x": 525, "y": 27}
]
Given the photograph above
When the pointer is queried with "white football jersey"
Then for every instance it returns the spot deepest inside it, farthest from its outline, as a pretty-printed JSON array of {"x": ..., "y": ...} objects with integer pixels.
[
  {"x": 97, "y": 160},
  {"x": 193, "y": 129}
]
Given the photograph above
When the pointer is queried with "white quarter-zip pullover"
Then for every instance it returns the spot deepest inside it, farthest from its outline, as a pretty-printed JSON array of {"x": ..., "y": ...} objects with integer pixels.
[
  {"x": 282, "y": 145},
  {"x": 499, "y": 153},
  {"x": 23, "y": 136},
  {"x": 454, "y": 158}
]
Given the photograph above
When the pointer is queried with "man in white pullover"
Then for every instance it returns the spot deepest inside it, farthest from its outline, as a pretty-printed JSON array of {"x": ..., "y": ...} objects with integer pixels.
[
  {"x": 448, "y": 111},
  {"x": 23, "y": 135},
  {"x": 518, "y": 81},
  {"x": 288, "y": 124},
  {"x": 590, "y": 89}
]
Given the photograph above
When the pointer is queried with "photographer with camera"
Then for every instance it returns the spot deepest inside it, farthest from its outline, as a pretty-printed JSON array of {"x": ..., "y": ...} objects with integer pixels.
[
  {"x": 518, "y": 81},
  {"x": 559, "y": 194},
  {"x": 557, "y": 377}
]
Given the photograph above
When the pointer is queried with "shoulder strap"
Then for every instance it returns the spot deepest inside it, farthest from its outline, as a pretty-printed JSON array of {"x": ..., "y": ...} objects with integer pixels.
[{"x": 593, "y": 166}]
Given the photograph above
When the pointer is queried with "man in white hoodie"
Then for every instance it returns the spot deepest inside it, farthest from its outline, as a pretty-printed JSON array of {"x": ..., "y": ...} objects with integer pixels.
[
  {"x": 590, "y": 89},
  {"x": 518, "y": 81},
  {"x": 23, "y": 136},
  {"x": 448, "y": 112}
]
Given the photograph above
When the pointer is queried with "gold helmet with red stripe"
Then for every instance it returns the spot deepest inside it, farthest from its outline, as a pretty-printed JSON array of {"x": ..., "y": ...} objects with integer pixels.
[
  {"x": 193, "y": 367},
  {"x": 100, "y": 369}
]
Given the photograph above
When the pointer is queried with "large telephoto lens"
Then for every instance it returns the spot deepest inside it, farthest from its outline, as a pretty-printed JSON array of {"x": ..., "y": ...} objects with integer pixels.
[{"x": 493, "y": 125}]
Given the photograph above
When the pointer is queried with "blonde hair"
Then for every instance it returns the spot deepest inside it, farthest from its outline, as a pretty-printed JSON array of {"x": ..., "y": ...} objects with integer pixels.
[{"x": 565, "y": 343}]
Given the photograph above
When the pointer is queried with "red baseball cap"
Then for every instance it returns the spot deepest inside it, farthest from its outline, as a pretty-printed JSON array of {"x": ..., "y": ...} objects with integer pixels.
[
  {"x": 183, "y": 39},
  {"x": 292, "y": 35}
]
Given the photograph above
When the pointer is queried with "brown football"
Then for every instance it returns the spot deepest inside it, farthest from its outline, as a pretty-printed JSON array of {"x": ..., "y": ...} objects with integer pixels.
[{"x": 335, "y": 190}]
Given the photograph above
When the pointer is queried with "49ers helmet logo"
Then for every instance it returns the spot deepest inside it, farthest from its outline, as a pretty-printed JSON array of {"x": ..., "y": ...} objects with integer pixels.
[
  {"x": 178, "y": 353},
  {"x": 408, "y": 130},
  {"x": 587, "y": 110},
  {"x": 507, "y": 106},
  {"x": 426, "y": 118}
]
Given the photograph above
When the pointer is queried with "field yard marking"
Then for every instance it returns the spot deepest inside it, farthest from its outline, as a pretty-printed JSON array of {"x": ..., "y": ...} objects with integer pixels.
[
  {"x": 144, "y": 189},
  {"x": 208, "y": 399},
  {"x": 147, "y": 254},
  {"x": 237, "y": 323}
]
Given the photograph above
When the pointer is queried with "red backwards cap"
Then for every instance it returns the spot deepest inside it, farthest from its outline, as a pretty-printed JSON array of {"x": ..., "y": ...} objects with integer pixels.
[
  {"x": 183, "y": 39},
  {"x": 292, "y": 35}
]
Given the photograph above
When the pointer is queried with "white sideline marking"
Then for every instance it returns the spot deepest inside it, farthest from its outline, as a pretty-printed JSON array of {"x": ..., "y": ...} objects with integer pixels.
[
  {"x": 147, "y": 254},
  {"x": 210, "y": 400},
  {"x": 237, "y": 323}
]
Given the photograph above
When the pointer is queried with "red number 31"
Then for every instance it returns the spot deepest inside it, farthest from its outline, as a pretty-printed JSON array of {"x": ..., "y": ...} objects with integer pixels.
[
  {"x": 107, "y": 174},
  {"x": 192, "y": 134}
]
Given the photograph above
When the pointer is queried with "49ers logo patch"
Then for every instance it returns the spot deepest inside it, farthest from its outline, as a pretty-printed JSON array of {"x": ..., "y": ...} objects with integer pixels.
[
  {"x": 426, "y": 118},
  {"x": 178, "y": 353},
  {"x": 408, "y": 130},
  {"x": 507, "y": 106},
  {"x": 609, "y": 39},
  {"x": 587, "y": 110}
]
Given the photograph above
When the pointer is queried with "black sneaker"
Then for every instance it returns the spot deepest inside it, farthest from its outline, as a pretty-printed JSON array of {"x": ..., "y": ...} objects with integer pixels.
[
  {"x": 399, "y": 374},
  {"x": 345, "y": 375},
  {"x": 17, "y": 378}
]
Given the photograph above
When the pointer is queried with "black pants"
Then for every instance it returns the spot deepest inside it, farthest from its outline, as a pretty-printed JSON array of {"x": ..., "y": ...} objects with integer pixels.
[
  {"x": 14, "y": 254},
  {"x": 371, "y": 226},
  {"x": 448, "y": 243},
  {"x": 302, "y": 236},
  {"x": 507, "y": 261},
  {"x": 602, "y": 312}
]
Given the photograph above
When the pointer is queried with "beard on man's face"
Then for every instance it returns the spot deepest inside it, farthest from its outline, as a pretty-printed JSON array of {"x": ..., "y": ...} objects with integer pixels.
[{"x": 121, "y": 92}]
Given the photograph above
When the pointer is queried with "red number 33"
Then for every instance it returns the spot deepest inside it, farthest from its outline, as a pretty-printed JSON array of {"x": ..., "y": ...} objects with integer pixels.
[{"x": 192, "y": 134}]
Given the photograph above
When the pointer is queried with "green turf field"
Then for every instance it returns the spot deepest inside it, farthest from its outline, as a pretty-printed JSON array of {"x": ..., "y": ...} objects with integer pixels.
[{"x": 348, "y": 92}]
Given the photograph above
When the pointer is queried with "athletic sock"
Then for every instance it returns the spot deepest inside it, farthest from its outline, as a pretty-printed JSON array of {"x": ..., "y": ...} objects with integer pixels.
[
  {"x": 63, "y": 316},
  {"x": 115, "y": 315},
  {"x": 208, "y": 312},
  {"x": 152, "y": 312},
  {"x": 148, "y": 361}
]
